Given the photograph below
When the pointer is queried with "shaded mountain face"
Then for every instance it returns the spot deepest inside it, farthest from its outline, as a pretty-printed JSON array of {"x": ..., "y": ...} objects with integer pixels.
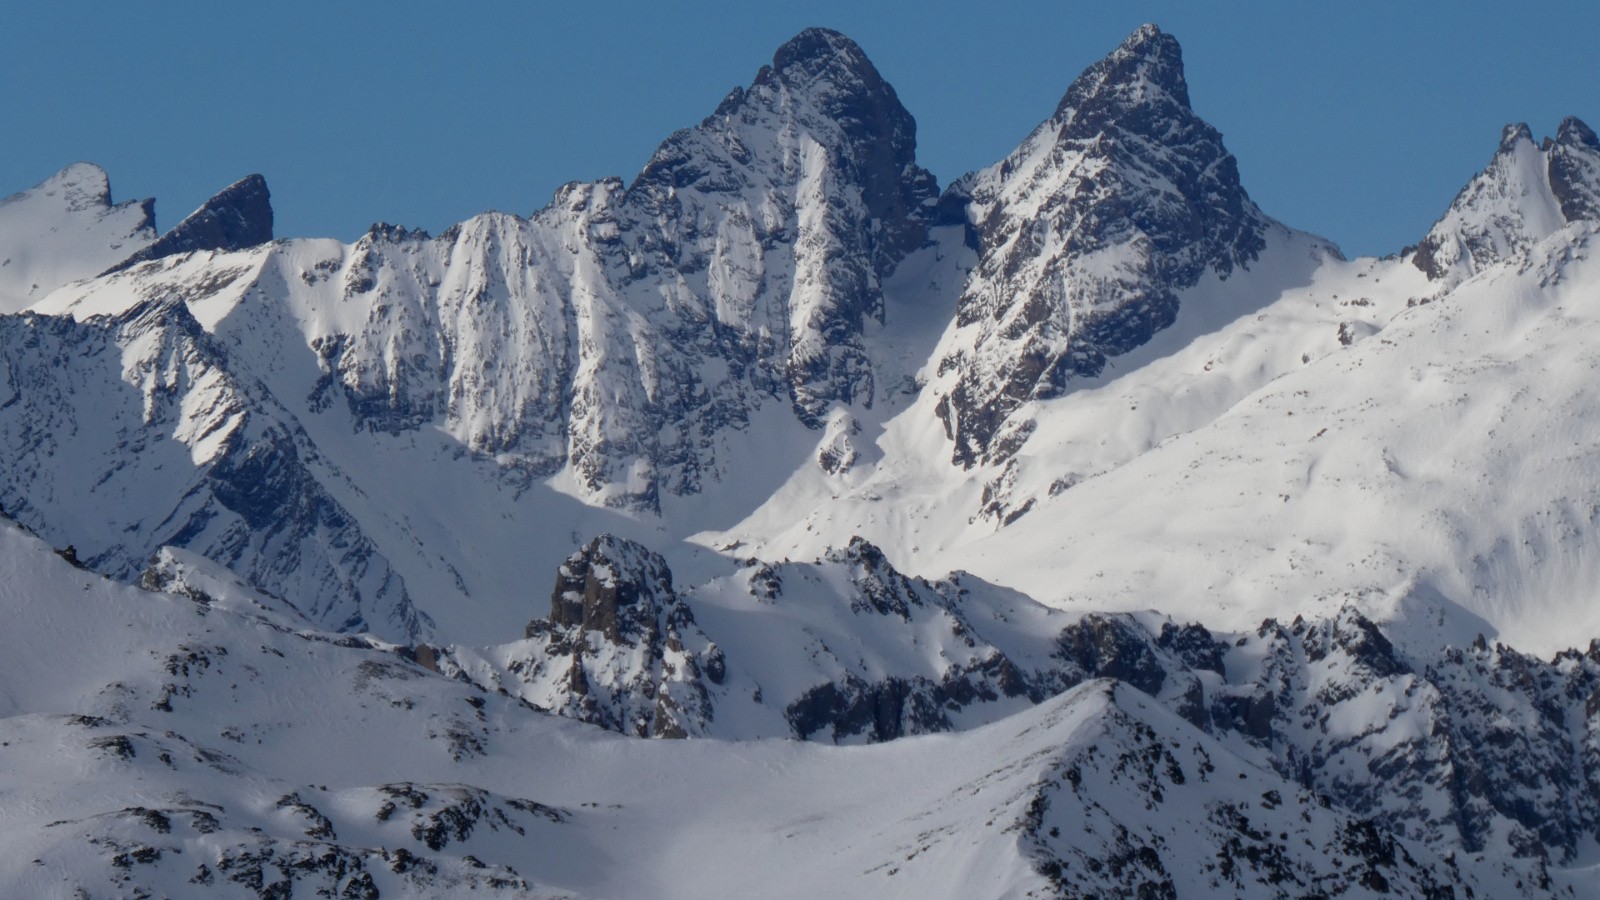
[
  {"x": 239, "y": 216},
  {"x": 1086, "y": 233},
  {"x": 1527, "y": 193},
  {"x": 127, "y": 434}
]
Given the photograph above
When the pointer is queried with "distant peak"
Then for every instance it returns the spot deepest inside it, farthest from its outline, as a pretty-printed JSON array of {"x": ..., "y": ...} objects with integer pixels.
[
  {"x": 1514, "y": 133},
  {"x": 1149, "y": 57},
  {"x": 80, "y": 186},
  {"x": 1574, "y": 170},
  {"x": 1573, "y": 132},
  {"x": 393, "y": 234},
  {"x": 245, "y": 189},
  {"x": 84, "y": 175}
]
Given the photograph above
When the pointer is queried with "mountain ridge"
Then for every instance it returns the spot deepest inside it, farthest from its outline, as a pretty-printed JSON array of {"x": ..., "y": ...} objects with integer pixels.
[{"x": 1243, "y": 532}]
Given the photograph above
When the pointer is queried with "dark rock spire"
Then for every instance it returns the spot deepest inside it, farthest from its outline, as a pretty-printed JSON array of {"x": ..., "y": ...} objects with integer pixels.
[{"x": 239, "y": 216}]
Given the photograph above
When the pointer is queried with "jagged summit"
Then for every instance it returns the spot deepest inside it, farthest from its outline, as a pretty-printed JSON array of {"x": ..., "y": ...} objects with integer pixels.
[
  {"x": 820, "y": 87},
  {"x": 815, "y": 50},
  {"x": 1573, "y": 132},
  {"x": 1528, "y": 192},
  {"x": 1086, "y": 234},
  {"x": 816, "y": 60},
  {"x": 1147, "y": 58},
  {"x": 1574, "y": 169},
  {"x": 1512, "y": 134},
  {"x": 239, "y": 216}
]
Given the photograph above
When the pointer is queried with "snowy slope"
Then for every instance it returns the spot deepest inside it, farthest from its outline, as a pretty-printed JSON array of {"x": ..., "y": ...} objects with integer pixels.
[
  {"x": 1368, "y": 433},
  {"x": 614, "y": 335},
  {"x": 172, "y": 745},
  {"x": 65, "y": 229},
  {"x": 126, "y": 434},
  {"x": 649, "y": 359},
  {"x": 1527, "y": 193}
]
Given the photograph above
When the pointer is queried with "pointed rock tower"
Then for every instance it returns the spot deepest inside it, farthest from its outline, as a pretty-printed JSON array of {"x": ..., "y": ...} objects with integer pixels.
[
  {"x": 1086, "y": 234},
  {"x": 239, "y": 216}
]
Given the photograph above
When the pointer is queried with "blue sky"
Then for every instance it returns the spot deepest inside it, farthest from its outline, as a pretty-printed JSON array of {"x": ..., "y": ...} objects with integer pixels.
[{"x": 1357, "y": 120}]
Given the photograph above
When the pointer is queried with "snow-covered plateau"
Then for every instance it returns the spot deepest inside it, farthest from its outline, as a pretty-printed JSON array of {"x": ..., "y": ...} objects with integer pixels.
[{"x": 778, "y": 524}]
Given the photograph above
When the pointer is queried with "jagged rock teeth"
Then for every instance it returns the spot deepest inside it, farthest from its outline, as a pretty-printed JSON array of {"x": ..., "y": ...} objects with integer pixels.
[{"x": 1526, "y": 193}]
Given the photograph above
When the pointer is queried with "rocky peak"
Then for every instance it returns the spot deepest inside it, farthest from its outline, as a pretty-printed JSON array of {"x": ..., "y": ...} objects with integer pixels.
[
  {"x": 386, "y": 232},
  {"x": 820, "y": 85},
  {"x": 816, "y": 160},
  {"x": 614, "y": 586},
  {"x": 1148, "y": 63},
  {"x": 1356, "y": 637},
  {"x": 619, "y": 649},
  {"x": 1574, "y": 170},
  {"x": 1086, "y": 233},
  {"x": 817, "y": 52},
  {"x": 1574, "y": 133},
  {"x": 239, "y": 216},
  {"x": 1115, "y": 647},
  {"x": 1528, "y": 192},
  {"x": 1514, "y": 134}
]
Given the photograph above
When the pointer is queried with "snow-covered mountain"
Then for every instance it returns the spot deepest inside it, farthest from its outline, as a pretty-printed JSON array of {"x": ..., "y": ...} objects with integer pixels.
[
  {"x": 1086, "y": 233},
  {"x": 1527, "y": 193},
  {"x": 207, "y": 744},
  {"x": 65, "y": 229},
  {"x": 1155, "y": 547}
]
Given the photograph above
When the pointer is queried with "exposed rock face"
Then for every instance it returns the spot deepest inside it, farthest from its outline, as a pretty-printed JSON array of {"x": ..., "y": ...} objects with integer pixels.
[
  {"x": 1574, "y": 168},
  {"x": 869, "y": 693},
  {"x": 621, "y": 328},
  {"x": 1086, "y": 233},
  {"x": 618, "y": 639},
  {"x": 851, "y": 202},
  {"x": 1449, "y": 750},
  {"x": 239, "y": 216},
  {"x": 1527, "y": 193},
  {"x": 619, "y": 649},
  {"x": 1133, "y": 812},
  {"x": 615, "y": 587}
]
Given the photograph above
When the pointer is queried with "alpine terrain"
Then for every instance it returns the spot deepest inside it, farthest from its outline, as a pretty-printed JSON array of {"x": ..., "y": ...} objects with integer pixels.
[{"x": 777, "y": 523}]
